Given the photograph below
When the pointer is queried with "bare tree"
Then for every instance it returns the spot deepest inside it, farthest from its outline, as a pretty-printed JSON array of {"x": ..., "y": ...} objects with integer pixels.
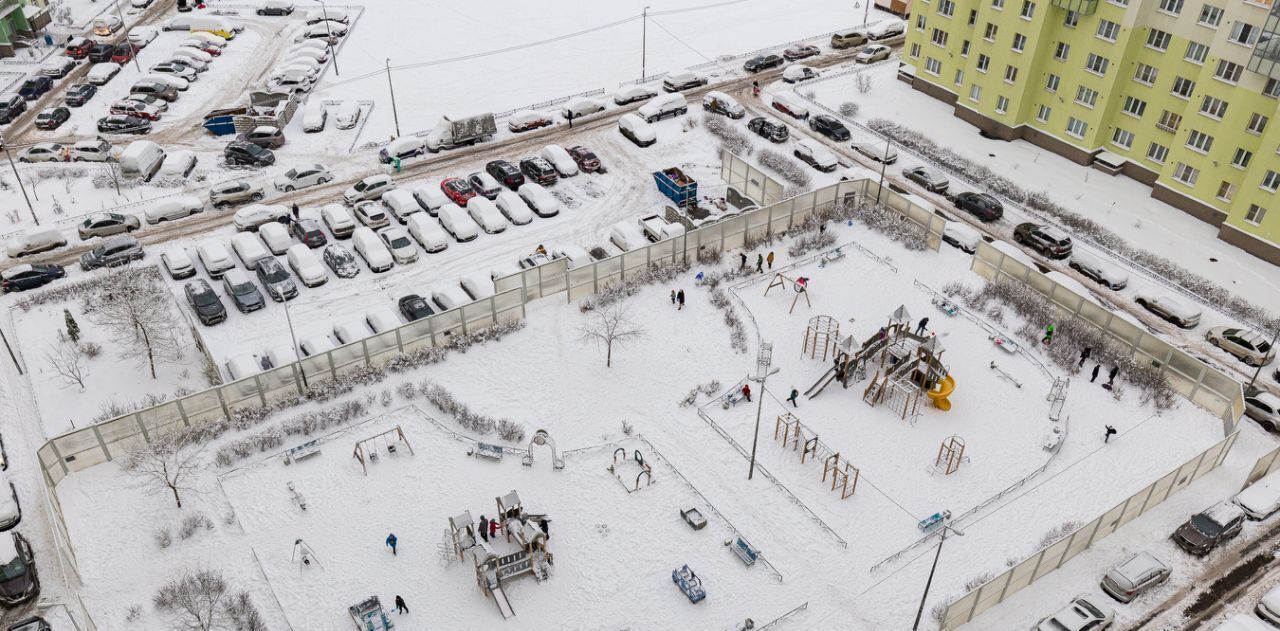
[
  {"x": 165, "y": 463},
  {"x": 610, "y": 327},
  {"x": 863, "y": 82},
  {"x": 194, "y": 600},
  {"x": 134, "y": 306},
  {"x": 64, "y": 358}
]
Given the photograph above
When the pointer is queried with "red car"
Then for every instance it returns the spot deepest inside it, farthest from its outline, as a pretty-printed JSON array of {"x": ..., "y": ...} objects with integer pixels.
[
  {"x": 457, "y": 190},
  {"x": 135, "y": 108},
  {"x": 123, "y": 53},
  {"x": 78, "y": 48},
  {"x": 586, "y": 159},
  {"x": 208, "y": 48}
]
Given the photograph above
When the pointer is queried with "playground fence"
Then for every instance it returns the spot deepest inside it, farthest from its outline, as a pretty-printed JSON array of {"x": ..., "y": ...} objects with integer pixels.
[
  {"x": 1199, "y": 382},
  {"x": 785, "y": 617},
  {"x": 1052, "y": 557},
  {"x": 1268, "y": 463}
]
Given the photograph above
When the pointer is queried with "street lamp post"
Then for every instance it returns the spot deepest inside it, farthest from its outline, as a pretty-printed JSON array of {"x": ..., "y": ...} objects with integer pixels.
[
  {"x": 1263, "y": 362},
  {"x": 17, "y": 177},
  {"x": 297, "y": 351},
  {"x": 120, "y": 12},
  {"x": 884, "y": 163},
  {"x": 762, "y": 363},
  {"x": 945, "y": 527},
  {"x": 644, "y": 40},
  {"x": 394, "y": 112},
  {"x": 333, "y": 52}
]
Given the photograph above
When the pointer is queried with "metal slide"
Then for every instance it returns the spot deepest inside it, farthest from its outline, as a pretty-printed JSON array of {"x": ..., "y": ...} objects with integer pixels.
[
  {"x": 504, "y": 606},
  {"x": 821, "y": 383}
]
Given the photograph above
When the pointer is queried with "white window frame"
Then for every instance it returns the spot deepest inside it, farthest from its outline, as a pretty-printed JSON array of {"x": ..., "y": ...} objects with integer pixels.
[
  {"x": 932, "y": 66},
  {"x": 1141, "y": 70},
  {"x": 1170, "y": 7},
  {"x": 1210, "y": 16},
  {"x": 1141, "y": 106},
  {"x": 1052, "y": 83},
  {"x": 1123, "y": 138},
  {"x": 1019, "y": 42},
  {"x": 1186, "y": 174},
  {"x": 1248, "y": 31},
  {"x": 1002, "y": 104},
  {"x": 1043, "y": 113},
  {"x": 1233, "y": 74},
  {"x": 1213, "y": 107},
  {"x": 1242, "y": 158},
  {"x": 1199, "y": 142},
  {"x": 1196, "y": 53},
  {"x": 1255, "y": 215},
  {"x": 1077, "y": 128},
  {"x": 1257, "y": 124},
  {"x": 1183, "y": 81},
  {"x": 1158, "y": 40},
  {"x": 1107, "y": 31},
  {"x": 1270, "y": 181},
  {"x": 1157, "y": 153},
  {"x": 1086, "y": 96},
  {"x": 1010, "y": 74},
  {"x": 975, "y": 93},
  {"x": 1097, "y": 64},
  {"x": 1028, "y": 10}
]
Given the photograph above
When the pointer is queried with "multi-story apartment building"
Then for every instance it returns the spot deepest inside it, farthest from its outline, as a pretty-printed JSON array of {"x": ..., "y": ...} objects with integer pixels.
[{"x": 1179, "y": 94}]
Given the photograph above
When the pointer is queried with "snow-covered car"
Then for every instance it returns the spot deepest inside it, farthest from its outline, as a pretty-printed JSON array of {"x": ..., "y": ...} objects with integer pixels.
[
  {"x": 1085, "y": 611},
  {"x": 346, "y": 115},
  {"x": 487, "y": 215},
  {"x": 515, "y": 209},
  {"x": 182, "y": 53},
  {"x": 121, "y": 249},
  {"x": 665, "y": 106},
  {"x": 878, "y": 151},
  {"x": 1263, "y": 407},
  {"x": 402, "y": 148},
  {"x": 718, "y": 102},
  {"x": 291, "y": 80},
  {"x": 401, "y": 204},
  {"x": 140, "y": 36},
  {"x": 528, "y": 120},
  {"x": 324, "y": 31},
  {"x": 539, "y": 199},
  {"x": 107, "y": 25},
  {"x": 169, "y": 68},
  {"x": 885, "y": 29},
  {"x": 276, "y": 280},
  {"x": 21, "y": 583},
  {"x": 1135, "y": 575},
  {"x": 581, "y": 106},
  {"x": 564, "y": 164},
  {"x": 398, "y": 242},
  {"x": 372, "y": 214},
  {"x": 484, "y": 184},
  {"x": 636, "y": 130},
  {"x": 106, "y": 224},
  {"x": 962, "y": 236},
  {"x": 1248, "y": 346},
  {"x": 796, "y": 73},
  {"x": 326, "y": 14},
  {"x": 52, "y": 117},
  {"x": 91, "y": 150},
  {"x": 1099, "y": 269},
  {"x": 816, "y": 155},
  {"x": 371, "y": 187},
  {"x": 137, "y": 109},
  {"x": 254, "y": 215},
  {"x": 306, "y": 265},
  {"x": 769, "y": 129},
  {"x": 458, "y": 223},
  {"x": 199, "y": 65},
  {"x": 314, "y": 117},
  {"x": 43, "y": 152},
  {"x": 634, "y": 94},
  {"x": 800, "y": 51},
  {"x": 341, "y": 261},
  {"x": 300, "y": 51},
  {"x": 478, "y": 285},
  {"x": 930, "y": 178},
  {"x": 171, "y": 80},
  {"x": 57, "y": 66},
  {"x": 10, "y": 510},
  {"x": 305, "y": 176},
  {"x": 338, "y": 219},
  {"x": 226, "y": 194},
  {"x": 201, "y": 45},
  {"x": 210, "y": 38},
  {"x": 382, "y": 319},
  {"x": 101, "y": 74},
  {"x": 179, "y": 163},
  {"x": 872, "y": 53},
  {"x": 576, "y": 256},
  {"x": 1166, "y": 306},
  {"x": 1210, "y": 528},
  {"x": 177, "y": 261},
  {"x": 370, "y": 248},
  {"x": 448, "y": 297},
  {"x": 427, "y": 232},
  {"x": 242, "y": 292},
  {"x": 173, "y": 208}
]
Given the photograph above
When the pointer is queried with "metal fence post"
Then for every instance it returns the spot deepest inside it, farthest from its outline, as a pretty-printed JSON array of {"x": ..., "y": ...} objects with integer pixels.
[
  {"x": 333, "y": 370},
  {"x": 595, "y": 277},
  {"x": 262, "y": 396},
  {"x": 183, "y": 413},
  {"x": 399, "y": 342},
  {"x": 222, "y": 401},
  {"x": 142, "y": 427},
  {"x": 53, "y": 444},
  {"x": 431, "y": 326},
  {"x": 101, "y": 443}
]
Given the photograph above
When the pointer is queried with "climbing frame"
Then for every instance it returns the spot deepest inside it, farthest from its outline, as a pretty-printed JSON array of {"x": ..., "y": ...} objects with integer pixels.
[{"x": 823, "y": 333}]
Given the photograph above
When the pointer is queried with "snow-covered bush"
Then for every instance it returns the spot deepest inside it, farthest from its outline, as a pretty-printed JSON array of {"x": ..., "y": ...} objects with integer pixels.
[
  {"x": 510, "y": 431},
  {"x": 848, "y": 109},
  {"x": 627, "y": 429},
  {"x": 385, "y": 398},
  {"x": 737, "y": 332},
  {"x": 811, "y": 241},
  {"x": 407, "y": 390},
  {"x": 791, "y": 170},
  {"x": 709, "y": 388},
  {"x": 78, "y": 289},
  {"x": 1055, "y": 534},
  {"x": 243, "y": 614},
  {"x": 162, "y": 537},
  {"x": 193, "y": 523},
  {"x": 708, "y": 255},
  {"x": 133, "y": 614},
  {"x": 731, "y": 136},
  {"x": 877, "y": 217},
  {"x": 636, "y": 281},
  {"x": 440, "y": 397},
  {"x": 194, "y": 599}
]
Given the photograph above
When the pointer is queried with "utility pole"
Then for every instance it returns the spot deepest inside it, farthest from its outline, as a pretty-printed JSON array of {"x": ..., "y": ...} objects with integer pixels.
[
  {"x": 392, "y": 88},
  {"x": 297, "y": 350},
  {"x": 763, "y": 360},
  {"x": 884, "y": 163},
  {"x": 1264, "y": 360},
  {"x": 17, "y": 177},
  {"x": 126, "y": 39},
  {"x": 333, "y": 52},
  {"x": 644, "y": 41},
  {"x": 928, "y": 583}
]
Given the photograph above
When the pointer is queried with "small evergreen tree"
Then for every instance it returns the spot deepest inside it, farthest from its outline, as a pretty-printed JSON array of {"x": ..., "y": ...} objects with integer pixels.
[{"x": 73, "y": 329}]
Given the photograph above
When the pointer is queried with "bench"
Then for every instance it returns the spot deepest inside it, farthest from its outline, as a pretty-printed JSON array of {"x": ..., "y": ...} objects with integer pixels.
[
  {"x": 744, "y": 551},
  {"x": 302, "y": 452},
  {"x": 830, "y": 256},
  {"x": 486, "y": 450}
]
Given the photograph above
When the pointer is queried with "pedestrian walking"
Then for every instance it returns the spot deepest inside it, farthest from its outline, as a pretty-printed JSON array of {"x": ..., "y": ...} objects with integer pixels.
[
  {"x": 570, "y": 117},
  {"x": 795, "y": 394},
  {"x": 673, "y": 296},
  {"x": 759, "y": 263},
  {"x": 1084, "y": 354},
  {"x": 391, "y": 542},
  {"x": 922, "y": 326},
  {"x": 822, "y": 227},
  {"x": 680, "y": 299},
  {"x": 493, "y": 528},
  {"x": 746, "y": 391},
  {"x": 484, "y": 527},
  {"x": 744, "y": 259},
  {"x": 1048, "y": 335},
  {"x": 770, "y": 259},
  {"x": 1096, "y": 368},
  {"x": 400, "y": 606},
  {"x": 1111, "y": 431},
  {"x": 1111, "y": 377},
  {"x": 295, "y": 211}
]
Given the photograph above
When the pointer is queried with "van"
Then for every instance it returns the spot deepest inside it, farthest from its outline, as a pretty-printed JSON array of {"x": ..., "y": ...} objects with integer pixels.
[
  {"x": 100, "y": 74},
  {"x": 661, "y": 107},
  {"x": 428, "y": 233},
  {"x": 636, "y": 130},
  {"x": 276, "y": 237},
  {"x": 372, "y": 250},
  {"x": 683, "y": 81},
  {"x": 627, "y": 235},
  {"x": 850, "y": 38},
  {"x": 306, "y": 265},
  {"x": 402, "y": 148},
  {"x": 1262, "y": 498},
  {"x": 141, "y": 159},
  {"x": 720, "y": 103},
  {"x": 790, "y": 105},
  {"x": 458, "y": 223},
  {"x": 213, "y": 25},
  {"x": 249, "y": 249},
  {"x": 560, "y": 159},
  {"x": 400, "y": 204},
  {"x": 338, "y": 219},
  {"x": 1099, "y": 270},
  {"x": 478, "y": 285},
  {"x": 214, "y": 257},
  {"x": 34, "y": 242},
  {"x": 430, "y": 197}
]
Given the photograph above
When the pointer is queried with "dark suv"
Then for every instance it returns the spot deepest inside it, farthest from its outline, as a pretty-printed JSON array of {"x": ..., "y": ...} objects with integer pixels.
[
  {"x": 35, "y": 87},
  {"x": 206, "y": 303},
  {"x": 18, "y": 579},
  {"x": 1046, "y": 240},
  {"x": 828, "y": 126},
  {"x": 101, "y": 53},
  {"x": 415, "y": 307},
  {"x": 762, "y": 62},
  {"x": 308, "y": 232},
  {"x": 980, "y": 205},
  {"x": 505, "y": 172},
  {"x": 1208, "y": 529},
  {"x": 771, "y": 129},
  {"x": 539, "y": 170},
  {"x": 246, "y": 153},
  {"x": 10, "y": 107},
  {"x": 113, "y": 251}
]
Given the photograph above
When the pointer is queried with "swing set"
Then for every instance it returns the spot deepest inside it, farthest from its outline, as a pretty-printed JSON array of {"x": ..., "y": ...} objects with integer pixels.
[
  {"x": 799, "y": 284},
  {"x": 366, "y": 450}
]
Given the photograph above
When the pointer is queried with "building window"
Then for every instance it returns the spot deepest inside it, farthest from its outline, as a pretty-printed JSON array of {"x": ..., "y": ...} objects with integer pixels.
[
  {"x": 1086, "y": 97},
  {"x": 1196, "y": 52},
  {"x": 946, "y": 8},
  {"x": 990, "y": 33},
  {"x": 1242, "y": 158},
  {"x": 964, "y": 49},
  {"x": 975, "y": 92},
  {"x": 1257, "y": 123},
  {"x": 1028, "y": 10},
  {"x": 1183, "y": 87},
  {"x": 1272, "y": 88},
  {"x": 1159, "y": 39},
  {"x": 1010, "y": 74},
  {"x": 1062, "y": 51},
  {"x": 1171, "y": 6},
  {"x": 1256, "y": 214},
  {"x": 1119, "y": 3},
  {"x": 1228, "y": 71},
  {"x": 932, "y": 66},
  {"x": 1134, "y": 107},
  {"x": 1186, "y": 174},
  {"x": 1243, "y": 33},
  {"x": 1169, "y": 121},
  {"x": 997, "y": 4},
  {"x": 983, "y": 63},
  {"x": 1210, "y": 16},
  {"x": 939, "y": 37},
  {"x": 1271, "y": 181},
  {"x": 959, "y": 77},
  {"x": 1213, "y": 107},
  {"x": 1157, "y": 153},
  {"x": 1002, "y": 104},
  {"x": 1072, "y": 19},
  {"x": 1052, "y": 84},
  {"x": 1226, "y": 190},
  {"x": 1076, "y": 127},
  {"x": 1122, "y": 138},
  {"x": 1019, "y": 42},
  {"x": 915, "y": 49},
  {"x": 1146, "y": 74},
  {"x": 1097, "y": 64},
  {"x": 920, "y": 22},
  {"x": 1108, "y": 30},
  {"x": 1042, "y": 114},
  {"x": 1199, "y": 141},
  {"x": 973, "y": 17}
]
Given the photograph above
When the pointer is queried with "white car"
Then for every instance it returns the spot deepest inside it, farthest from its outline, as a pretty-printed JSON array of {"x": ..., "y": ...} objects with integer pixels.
[
  {"x": 397, "y": 240},
  {"x": 311, "y": 43},
  {"x": 427, "y": 232},
  {"x": 254, "y": 215},
  {"x": 372, "y": 214},
  {"x": 371, "y": 187},
  {"x": 338, "y": 219},
  {"x": 346, "y": 115},
  {"x": 140, "y": 36},
  {"x": 191, "y": 62},
  {"x": 300, "y": 52},
  {"x": 514, "y": 208},
  {"x": 486, "y": 214},
  {"x": 189, "y": 52},
  {"x": 816, "y": 155},
  {"x": 1247, "y": 346},
  {"x": 634, "y": 94},
  {"x": 878, "y": 151},
  {"x": 1085, "y": 612},
  {"x": 303, "y": 177},
  {"x": 43, "y": 152},
  {"x": 179, "y": 164},
  {"x": 326, "y": 14},
  {"x": 458, "y": 223},
  {"x": 542, "y": 202},
  {"x": 314, "y": 117},
  {"x": 871, "y": 53},
  {"x": 173, "y": 208}
]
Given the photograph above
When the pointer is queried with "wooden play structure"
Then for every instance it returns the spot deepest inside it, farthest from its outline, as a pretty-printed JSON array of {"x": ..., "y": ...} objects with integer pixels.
[
  {"x": 845, "y": 476},
  {"x": 823, "y": 333},
  {"x": 950, "y": 456},
  {"x": 541, "y": 437},
  {"x": 525, "y": 550},
  {"x": 799, "y": 284},
  {"x": 797, "y": 437},
  {"x": 366, "y": 450},
  {"x": 622, "y": 469}
]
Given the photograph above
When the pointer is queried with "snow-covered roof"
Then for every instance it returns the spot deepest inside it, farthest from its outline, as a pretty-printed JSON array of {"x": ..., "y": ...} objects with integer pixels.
[{"x": 1223, "y": 512}]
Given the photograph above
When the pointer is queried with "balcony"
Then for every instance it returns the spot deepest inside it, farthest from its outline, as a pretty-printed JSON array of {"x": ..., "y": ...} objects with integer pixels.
[
  {"x": 1081, "y": 7},
  {"x": 1266, "y": 53}
]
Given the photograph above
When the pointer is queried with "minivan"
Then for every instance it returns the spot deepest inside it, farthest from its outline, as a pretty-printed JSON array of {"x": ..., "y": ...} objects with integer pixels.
[
  {"x": 636, "y": 130},
  {"x": 249, "y": 249},
  {"x": 1099, "y": 270},
  {"x": 215, "y": 258},
  {"x": 371, "y": 249},
  {"x": 141, "y": 159},
  {"x": 662, "y": 107}
]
